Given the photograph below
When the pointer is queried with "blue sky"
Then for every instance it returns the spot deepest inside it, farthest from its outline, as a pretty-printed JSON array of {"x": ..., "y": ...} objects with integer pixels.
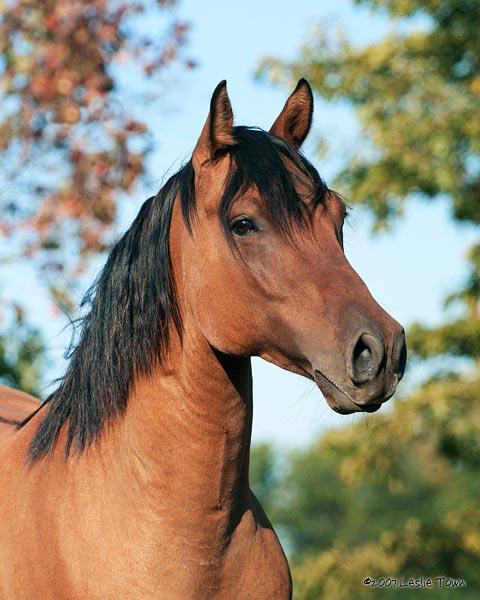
[{"x": 408, "y": 270}]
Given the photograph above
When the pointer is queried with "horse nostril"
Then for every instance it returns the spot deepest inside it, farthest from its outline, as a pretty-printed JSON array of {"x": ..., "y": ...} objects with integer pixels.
[
  {"x": 367, "y": 358},
  {"x": 400, "y": 355}
]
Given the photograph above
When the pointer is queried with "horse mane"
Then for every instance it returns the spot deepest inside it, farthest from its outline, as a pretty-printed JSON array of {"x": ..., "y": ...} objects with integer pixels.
[{"x": 133, "y": 300}]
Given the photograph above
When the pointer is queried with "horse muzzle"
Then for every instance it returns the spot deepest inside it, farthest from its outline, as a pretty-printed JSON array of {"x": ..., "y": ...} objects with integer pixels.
[{"x": 372, "y": 374}]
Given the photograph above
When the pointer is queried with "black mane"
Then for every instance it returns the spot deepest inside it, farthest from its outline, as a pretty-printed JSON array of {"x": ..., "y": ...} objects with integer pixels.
[{"x": 133, "y": 301}]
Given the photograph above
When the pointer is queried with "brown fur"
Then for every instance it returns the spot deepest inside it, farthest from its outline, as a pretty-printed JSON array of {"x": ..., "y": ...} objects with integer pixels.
[{"x": 15, "y": 407}]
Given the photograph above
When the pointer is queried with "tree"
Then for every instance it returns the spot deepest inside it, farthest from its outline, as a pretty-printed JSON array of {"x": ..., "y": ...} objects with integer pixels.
[
  {"x": 21, "y": 354},
  {"x": 71, "y": 142},
  {"x": 398, "y": 498},
  {"x": 406, "y": 487}
]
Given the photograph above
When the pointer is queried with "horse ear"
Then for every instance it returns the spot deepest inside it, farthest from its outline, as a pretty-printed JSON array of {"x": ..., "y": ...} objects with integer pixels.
[
  {"x": 293, "y": 123},
  {"x": 217, "y": 133}
]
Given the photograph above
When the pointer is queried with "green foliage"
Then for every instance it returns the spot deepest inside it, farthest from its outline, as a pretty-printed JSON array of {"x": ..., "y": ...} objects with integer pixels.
[
  {"x": 460, "y": 338},
  {"x": 417, "y": 97},
  {"x": 397, "y": 495},
  {"x": 21, "y": 355}
]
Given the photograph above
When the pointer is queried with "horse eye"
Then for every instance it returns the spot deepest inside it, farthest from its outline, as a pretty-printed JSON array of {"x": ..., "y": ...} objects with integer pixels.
[{"x": 243, "y": 226}]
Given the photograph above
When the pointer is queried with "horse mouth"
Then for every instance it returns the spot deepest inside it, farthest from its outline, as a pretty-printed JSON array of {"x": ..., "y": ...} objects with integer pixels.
[{"x": 339, "y": 401}]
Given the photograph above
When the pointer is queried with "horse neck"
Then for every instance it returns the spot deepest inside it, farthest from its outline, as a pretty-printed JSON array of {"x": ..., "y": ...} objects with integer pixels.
[{"x": 189, "y": 428}]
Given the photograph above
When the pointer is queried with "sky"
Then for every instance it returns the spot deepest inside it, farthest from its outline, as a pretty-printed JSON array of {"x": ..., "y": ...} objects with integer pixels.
[{"x": 408, "y": 270}]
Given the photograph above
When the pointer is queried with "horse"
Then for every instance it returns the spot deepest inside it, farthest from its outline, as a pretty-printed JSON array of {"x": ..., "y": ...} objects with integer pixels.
[{"x": 131, "y": 481}]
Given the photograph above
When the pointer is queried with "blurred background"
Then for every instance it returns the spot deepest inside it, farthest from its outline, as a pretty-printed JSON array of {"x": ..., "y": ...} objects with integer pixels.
[{"x": 100, "y": 100}]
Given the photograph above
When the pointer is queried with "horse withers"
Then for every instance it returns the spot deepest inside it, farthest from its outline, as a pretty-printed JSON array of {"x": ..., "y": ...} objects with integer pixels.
[{"x": 131, "y": 480}]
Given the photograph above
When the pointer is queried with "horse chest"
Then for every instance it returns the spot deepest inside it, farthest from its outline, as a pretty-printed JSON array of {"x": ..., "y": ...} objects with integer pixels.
[{"x": 70, "y": 559}]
